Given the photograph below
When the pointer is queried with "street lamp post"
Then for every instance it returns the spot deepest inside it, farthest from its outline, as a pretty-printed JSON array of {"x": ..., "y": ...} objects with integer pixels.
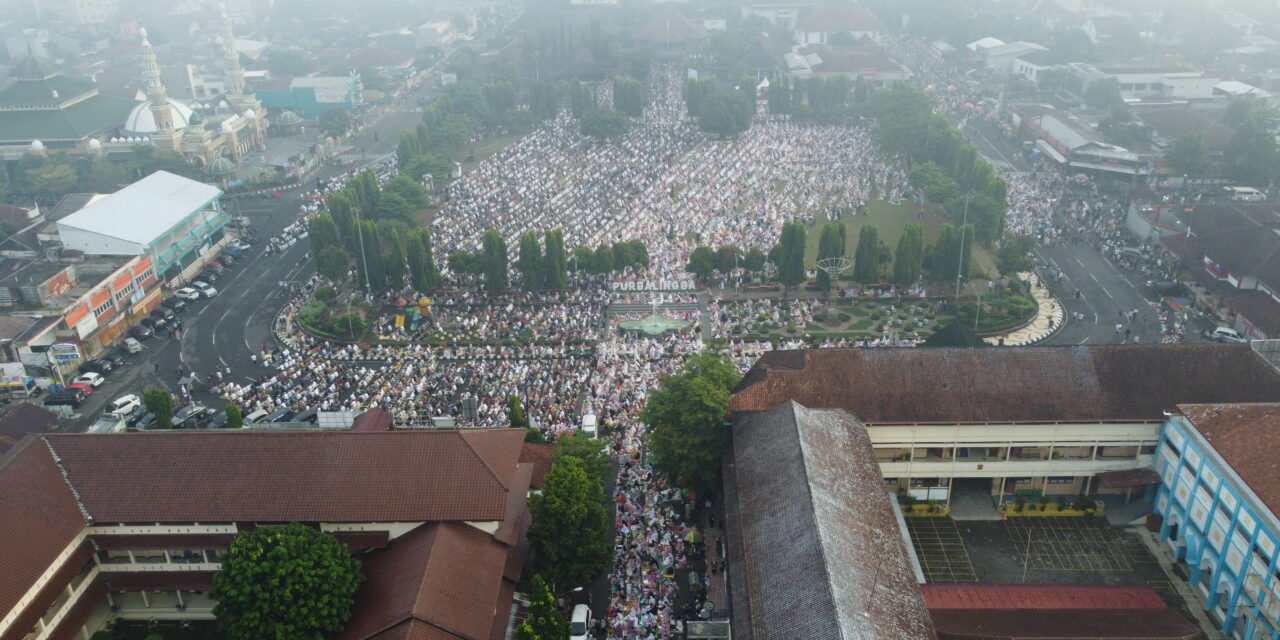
[{"x": 964, "y": 223}]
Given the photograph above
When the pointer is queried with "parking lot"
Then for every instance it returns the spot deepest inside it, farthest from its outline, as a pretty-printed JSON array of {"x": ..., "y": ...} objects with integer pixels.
[{"x": 941, "y": 550}]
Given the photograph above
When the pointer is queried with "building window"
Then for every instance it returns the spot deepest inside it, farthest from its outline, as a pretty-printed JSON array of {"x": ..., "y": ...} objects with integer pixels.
[
  {"x": 893, "y": 481},
  {"x": 1061, "y": 479},
  {"x": 102, "y": 308},
  {"x": 124, "y": 292},
  {"x": 1021, "y": 480}
]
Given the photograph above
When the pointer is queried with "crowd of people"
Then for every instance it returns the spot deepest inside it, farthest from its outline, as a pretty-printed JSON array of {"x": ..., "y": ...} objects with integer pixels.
[{"x": 537, "y": 318}]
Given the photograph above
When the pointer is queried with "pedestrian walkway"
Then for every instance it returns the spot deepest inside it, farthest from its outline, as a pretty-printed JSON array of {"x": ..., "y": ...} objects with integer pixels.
[
  {"x": 1195, "y": 604},
  {"x": 1049, "y": 317}
]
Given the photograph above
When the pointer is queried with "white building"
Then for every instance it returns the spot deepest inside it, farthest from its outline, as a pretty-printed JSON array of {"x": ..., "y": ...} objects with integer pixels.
[
  {"x": 1001, "y": 58},
  {"x": 175, "y": 221},
  {"x": 827, "y": 20}
]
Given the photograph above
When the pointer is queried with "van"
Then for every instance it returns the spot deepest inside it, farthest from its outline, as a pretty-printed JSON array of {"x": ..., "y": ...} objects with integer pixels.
[
  {"x": 589, "y": 425},
  {"x": 1226, "y": 334},
  {"x": 132, "y": 345},
  {"x": 281, "y": 415},
  {"x": 1245, "y": 194},
  {"x": 580, "y": 623},
  {"x": 256, "y": 416}
]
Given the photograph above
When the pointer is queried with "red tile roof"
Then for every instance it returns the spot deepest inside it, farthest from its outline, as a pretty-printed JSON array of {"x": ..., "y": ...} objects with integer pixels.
[
  {"x": 1063, "y": 624},
  {"x": 1015, "y": 384},
  {"x": 375, "y": 419},
  {"x": 307, "y": 476},
  {"x": 22, "y": 420},
  {"x": 540, "y": 456},
  {"x": 39, "y": 518},
  {"x": 1040, "y": 596},
  {"x": 1260, "y": 309},
  {"x": 448, "y": 576},
  {"x": 1247, "y": 437},
  {"x": 839, "y": 17}
]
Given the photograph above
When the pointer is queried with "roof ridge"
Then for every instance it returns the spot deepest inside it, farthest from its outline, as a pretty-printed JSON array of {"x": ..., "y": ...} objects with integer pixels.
[
  {"x": 57, "y": 460},
  {"x": 792, "y": 405},
  {"x": 493, "y": 472}
]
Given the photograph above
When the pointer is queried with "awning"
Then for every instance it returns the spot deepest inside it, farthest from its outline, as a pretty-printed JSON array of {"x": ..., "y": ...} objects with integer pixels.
[
  {"x": 1114, "y": 168},
  {"x": 1048, "y": 150},
  {"x": 1128, "y": 478}
]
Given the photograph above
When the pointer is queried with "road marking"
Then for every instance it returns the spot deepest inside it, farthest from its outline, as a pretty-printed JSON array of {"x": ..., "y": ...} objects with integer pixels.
[
  {"x": 1095, "y": 279},
  {"x": 1104, "y": 290},
  {"x": 1135, "y": 287},
  {"x": 214, "y": 338},
  {"x": 1077, "y": 259},
  {"x": 221, "y": 361},
  {"x": 1083, "y": 341},
  {"x": 1055, "y": 264}
]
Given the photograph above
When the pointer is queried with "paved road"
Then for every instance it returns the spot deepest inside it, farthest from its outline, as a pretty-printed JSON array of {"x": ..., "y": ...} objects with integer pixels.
[{"x": 1106, "y": 290}]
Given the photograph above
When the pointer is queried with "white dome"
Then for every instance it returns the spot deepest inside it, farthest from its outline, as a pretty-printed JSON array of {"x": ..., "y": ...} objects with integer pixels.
[
  {"x": 36, "y": 145},
  {"x": 248, "y": 113},
  {"x": 224, "y": 105},
  {"x": 226, "y": 126},
  {"x": 95, "y": 143},
  {"x": 141, "y": 122}
]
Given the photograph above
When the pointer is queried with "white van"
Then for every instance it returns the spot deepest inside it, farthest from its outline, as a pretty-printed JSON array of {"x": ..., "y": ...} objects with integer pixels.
[
  {"x": 1226, "y": 334},
  {"x": 589, "y": 425},
  {"x": 256, "y": 416},
  {"x": 1245, "y": 194},
  {"x": 132, "y": 345}
]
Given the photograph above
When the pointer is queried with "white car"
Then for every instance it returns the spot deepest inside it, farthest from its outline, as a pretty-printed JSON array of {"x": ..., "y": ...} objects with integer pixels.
[
  {"x": 187, "y": 293},
  {"x": 204, "y": 289},
  {"x": 91, "y": 379},
  {"x": 580, "y": 623},
  {"x": 123, "y": 405}
]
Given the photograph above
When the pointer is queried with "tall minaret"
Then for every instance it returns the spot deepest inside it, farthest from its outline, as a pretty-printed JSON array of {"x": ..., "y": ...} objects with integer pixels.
[
  {"x": 233, "y": 79},
  {"x": 166, "y": 138}
]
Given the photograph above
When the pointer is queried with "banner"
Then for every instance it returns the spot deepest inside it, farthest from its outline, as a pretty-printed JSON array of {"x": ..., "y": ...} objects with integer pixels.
[{"x": 654, "y": 285}]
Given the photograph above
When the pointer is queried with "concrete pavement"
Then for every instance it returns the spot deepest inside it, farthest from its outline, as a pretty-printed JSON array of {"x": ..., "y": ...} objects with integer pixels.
[{"x": 1105, "y": 293}]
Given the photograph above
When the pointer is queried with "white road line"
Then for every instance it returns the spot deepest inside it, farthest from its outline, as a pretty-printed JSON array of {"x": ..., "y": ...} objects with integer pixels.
[
  {"x": 214, "y": 338},
  {"x": 223, "y": 362},
  {"x": 1131, "y": 284},
  {"x": 1104, "y": 290},
  {"x": 1095, "y": 279},
  {"x": 1083, "y": 341},
  {"x": 1077, "y": 259},
  {"x": 1055, "y": 264}
]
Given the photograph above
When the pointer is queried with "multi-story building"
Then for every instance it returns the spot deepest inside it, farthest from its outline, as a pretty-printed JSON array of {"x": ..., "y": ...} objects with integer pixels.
[
  {"x": 1216, "y": 509},
  {"x": 176, "y": 223},
  {"x": 134, "y": 526}
]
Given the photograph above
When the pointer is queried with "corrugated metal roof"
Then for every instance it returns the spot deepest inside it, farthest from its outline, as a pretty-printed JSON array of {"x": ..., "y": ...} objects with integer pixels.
[{"x": 145, "y": 210}]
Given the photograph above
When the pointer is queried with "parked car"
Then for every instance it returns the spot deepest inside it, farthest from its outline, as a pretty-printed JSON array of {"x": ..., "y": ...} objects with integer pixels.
[
  {"x": 132, "y": 345},
  {"x": 187, "y": 293},
  {"x": 64, "y": 398},
  {"x": 135, "y": 415},
  {"x": 580, "y": 623},
  {"x": 280, "y": 415},
  {"x": 191, "y": 416},
  {"x": 227, "y": 260},
  {"x": 1226, "y": 334},
  {"x": 97, "y": 366},
  {"x": 140, "y": 332},
  {"x": 91, "y": 379},
  {"x": 118, "y": 358},
  {"x": 215, "y": 267},
  {"x": 147, "y": 420},
  {"x": 124, "y": 405},
  {"x": 153, "y": 323},
  {"x": 83, "y": 387},
  {"x": 163, "y": 313},
  {"x": 217, "y": 421},
  {"x": 176, "y": 305},
  {"x": 1169, "y": 288},
  {"x": 208, "y": 276},
  {"x": 204, "y": 288}
]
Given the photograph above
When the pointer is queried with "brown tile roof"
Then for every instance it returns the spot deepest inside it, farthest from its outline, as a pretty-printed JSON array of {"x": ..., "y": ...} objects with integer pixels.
[
  {"x": 414, "y": 630},
  {"x": 540, "y": 456},
  {"x": 839, "y": 17},
  {"x": 39, "y": 518},
  {"x": 375, "y": 419},
  {"x": 52, "y": 590},
  {"x": 1063, "y": 624},
  {"x": 21, "y": 420},
  {"x": 1246, "y": 436},
  {"x": 448, "y": 576},
  {"x": 1260, "y": 309},
  {"x": 1015, "y": 384},
  {"x": 822, "y": 555},
  {"x": 1040, "y": 596},
  {"x": 307, "y": 476},
  {"x": 1181, "y": 121}
]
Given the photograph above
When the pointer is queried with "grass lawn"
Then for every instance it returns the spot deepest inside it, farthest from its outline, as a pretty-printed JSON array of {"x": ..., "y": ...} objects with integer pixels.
[{"x": 890, "y": 220}]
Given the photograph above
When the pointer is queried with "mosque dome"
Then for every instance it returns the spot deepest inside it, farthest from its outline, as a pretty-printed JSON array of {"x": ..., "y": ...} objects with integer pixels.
[
  {"x": 287, "y": 118},
  {"x": 222, "y": 167},
  {"x": 249, "y": 114},
  {"x": 226, "y": 126},
  {"x": 95, "y": 143},
  {"x": 141, "y": 122},
  {"x": 196, "y": 119},
  {"x": 36, "y": 145}
]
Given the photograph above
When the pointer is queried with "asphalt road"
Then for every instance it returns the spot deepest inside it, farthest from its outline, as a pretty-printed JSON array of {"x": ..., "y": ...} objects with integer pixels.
[{"x": 1106, "y": 291}]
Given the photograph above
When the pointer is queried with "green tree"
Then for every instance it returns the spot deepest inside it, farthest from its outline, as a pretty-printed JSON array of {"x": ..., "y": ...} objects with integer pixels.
[
  {"x": 533, "y": 435},
  {"x": 335, "y": 122},
  {"x": 515, "y": 414},
  {"x": 580, "y": 99},
  {"x": 235, "y": 418},
  {"x": 371, "y": 269},
  {"x": 160, "y": 403},
  {"x": 394, "y": 264},
  {"x": 332, "y": 263},
  {"x": 831, "y": 244},
  {"x": 1251, "y": 156},
  {"x": 866, "y": 257},
  {"x": 495, "y": 262},
  {"x": 287, "y": 582},
  {"x": 696, "y": 92},
  {"x": 570, "y": 534},
  {"x": 544, "y": 100},
  {"x": 702, "y": 262},
  {"x": 589, "y": 451},
  {"x": 543, "y": 622},
  {"x": 909, "y": 256},
  {"x": 791, "y": 254},
  {"x": 602, "y": 262},
  {"x": 725, "y": 114},
  {"x": 51, "y": 181},
  {"x": 1014, "y": 254},
  {"x": 754, "y": 260},
  {"x": 422, "y": 264},
  {"x": 727, "y": 258},
  {"x": 604, "y": 124},
  {"x": 1102, "y": 94},
  {"x": 407, "y": 188},
  {"x": 1188, "y": 154},
  {"x": 686, "y": 413},
  {"x": 391, "y": 206},
  {"x": 628, "y": 96},
  {"x": 555, "y": 262},
  {"x": 322, "y": 233},
  {"x": 529, "y": 262}
]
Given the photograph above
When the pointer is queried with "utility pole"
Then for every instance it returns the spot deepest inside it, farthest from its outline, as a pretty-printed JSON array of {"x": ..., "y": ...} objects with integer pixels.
[
  {"x": 964, "y": 223},
  {"x": 363, "y": 260}
]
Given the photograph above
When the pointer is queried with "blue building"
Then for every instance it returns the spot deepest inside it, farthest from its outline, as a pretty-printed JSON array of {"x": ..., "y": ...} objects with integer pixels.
[
  {"x": 312, "y": 96},
  {"x": 1219, "y": 492}
]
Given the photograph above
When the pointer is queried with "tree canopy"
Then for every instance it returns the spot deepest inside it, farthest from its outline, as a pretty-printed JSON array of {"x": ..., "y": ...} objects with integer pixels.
[
  {"x": 570, "y": 534},
  {"x": 686, "y": 413},
  {"x": 289, "y": 582}
]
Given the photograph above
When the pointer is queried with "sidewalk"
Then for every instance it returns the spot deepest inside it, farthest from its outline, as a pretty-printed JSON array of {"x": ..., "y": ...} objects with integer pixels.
[
  {"x": 1194, "y": 603},
  {"x": 1049, "y": 317}
]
